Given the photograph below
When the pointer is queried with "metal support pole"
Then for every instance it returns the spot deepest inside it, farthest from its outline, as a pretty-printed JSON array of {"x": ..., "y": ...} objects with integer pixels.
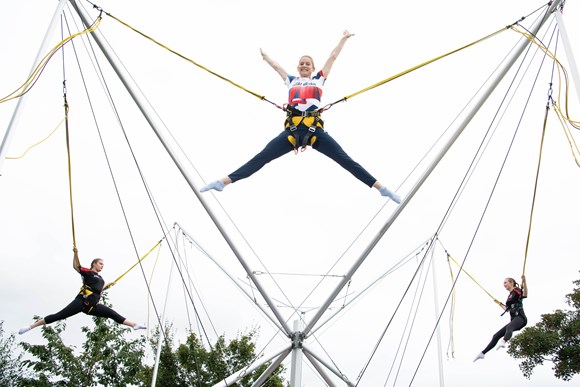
[
  {"x": 569, "y": 53},
  {"x": 309, "y": 353},
  {"x": 478, "y": 104},
  {"x": 266, "y": 374},
  {"x": 156, "y": 125},
  {"x": 161, "y": 334},
  {"x": 436, "y": 304},
  {"x": 19, "y": 105},
  {"x": 230, "y": 276},
  {"x": 296, "y": 367},
  {"x": 319, "y": 369},
  {"x": 355, "y": 297},
  {"x": 229, "y": 381}
]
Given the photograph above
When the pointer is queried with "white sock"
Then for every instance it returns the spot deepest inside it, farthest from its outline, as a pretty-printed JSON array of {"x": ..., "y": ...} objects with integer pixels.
[
  {"x": 23, "y": 330},
  {"x": 138, "y": 326},
  {"x": 480, "y": 355},
  {"x": 218, "y": 185},
  {"x": 387, "y": 192},
  {"x": 501, "y": 344}
]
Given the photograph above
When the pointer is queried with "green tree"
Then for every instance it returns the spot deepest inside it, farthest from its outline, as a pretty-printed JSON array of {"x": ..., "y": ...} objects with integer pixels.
[
  {"x": 110, "y": 358},
  {"x": 107, "y": 358},
  {"x": 55, "y": 364},
  {"x": 556, "y": 338},
  {"x": 10, "y": 371},
  {"x": 169, "y": 372},
  {"x": 192, "y": 364}
]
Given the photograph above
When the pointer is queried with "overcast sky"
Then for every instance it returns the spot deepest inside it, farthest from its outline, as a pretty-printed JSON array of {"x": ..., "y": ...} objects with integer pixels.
[{"x": 302, "y": 218}]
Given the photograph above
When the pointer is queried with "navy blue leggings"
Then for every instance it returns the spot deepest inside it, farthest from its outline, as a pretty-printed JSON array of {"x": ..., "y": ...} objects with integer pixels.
[
  {"x": 78, "y": 305},
  {"x": 325, "y": 144},
  {"x": 517, "y": 323}
]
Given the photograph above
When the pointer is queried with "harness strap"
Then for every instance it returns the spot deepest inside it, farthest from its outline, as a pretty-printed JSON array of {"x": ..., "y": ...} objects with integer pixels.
[
  {"x": 87, "y": 291},
  {"x": 517, "y": 306},
  {"x": 309, "y": 138},
  {"x": 292, "y": 125},
  {"x": 293, "y": 138},
  {"x": 290, "y": 110}
]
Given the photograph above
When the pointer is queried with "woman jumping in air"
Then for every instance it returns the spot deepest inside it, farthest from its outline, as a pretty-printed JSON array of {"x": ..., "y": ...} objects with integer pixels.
[
  {"x": 303, "y": 126},
  {"x": 518, "y": 318},
  {"x": 87, "y": 301}
]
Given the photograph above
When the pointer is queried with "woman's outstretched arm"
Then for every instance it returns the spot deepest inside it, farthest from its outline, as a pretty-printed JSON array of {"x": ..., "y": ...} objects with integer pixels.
[
  {"x": 283, "y": 73},
  {"x": 76, "y": 261},
  {"x": 334, "y": 54}
]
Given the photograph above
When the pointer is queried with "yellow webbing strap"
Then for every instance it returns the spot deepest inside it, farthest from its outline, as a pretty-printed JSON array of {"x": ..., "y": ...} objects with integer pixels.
[
  {"x": 135, "y": 264},
  {"x": 85, "y": 291},
  {"x": 72, "y": 217},
  {"x": 186, "y": 58},
  {"x": 470, "y": 276},
  {"x": 421, "y": 65},
  {"x": 535, "y": 187},
  {"x": 30, "y": 81},
  {"x": 37, "y": 143},
  {"x": 573, "y": 146},
  {"x": 562, "y": 77}
]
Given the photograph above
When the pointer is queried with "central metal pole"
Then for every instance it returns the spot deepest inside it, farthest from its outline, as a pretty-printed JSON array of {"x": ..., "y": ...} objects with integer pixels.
[{"x": 296, "y": 366}]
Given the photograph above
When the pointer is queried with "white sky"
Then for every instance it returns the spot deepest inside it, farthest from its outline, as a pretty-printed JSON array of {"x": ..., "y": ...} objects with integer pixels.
[{"x": 300, "y": 213}]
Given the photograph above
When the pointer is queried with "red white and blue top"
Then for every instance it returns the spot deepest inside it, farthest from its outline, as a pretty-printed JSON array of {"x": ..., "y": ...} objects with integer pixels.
[{"x": 304, "y": 94}]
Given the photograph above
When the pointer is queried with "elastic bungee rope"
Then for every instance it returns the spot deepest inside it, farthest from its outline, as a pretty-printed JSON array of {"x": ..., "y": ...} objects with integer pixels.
[
  {"x": 33, "y": 77},
  {"x": 263, "y": 98},
  {"x": 449, "y": 257}
]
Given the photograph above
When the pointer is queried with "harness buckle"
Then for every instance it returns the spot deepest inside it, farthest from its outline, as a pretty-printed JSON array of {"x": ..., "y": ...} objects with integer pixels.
[{"x": 292, "y": 111}]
